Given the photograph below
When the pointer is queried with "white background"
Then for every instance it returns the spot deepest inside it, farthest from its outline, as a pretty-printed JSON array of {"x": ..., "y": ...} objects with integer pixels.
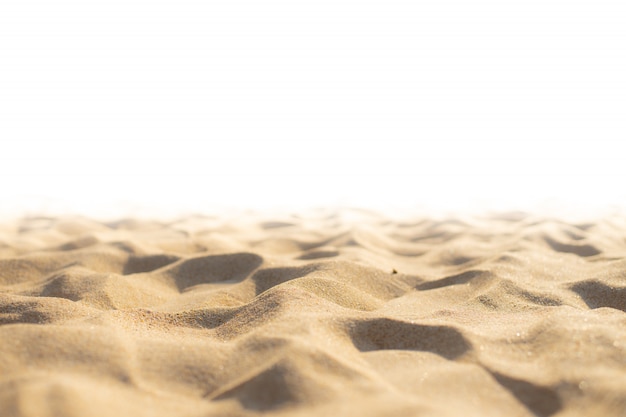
[{"x": 116, "y": 107}]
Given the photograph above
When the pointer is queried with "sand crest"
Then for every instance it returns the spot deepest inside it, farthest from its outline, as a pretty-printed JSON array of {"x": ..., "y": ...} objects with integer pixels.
[{"x": 345, "y": 313}]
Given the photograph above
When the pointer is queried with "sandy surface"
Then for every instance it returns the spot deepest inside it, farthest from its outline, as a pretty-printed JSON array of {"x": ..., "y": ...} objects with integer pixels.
[{"x": 344, "y": 314}]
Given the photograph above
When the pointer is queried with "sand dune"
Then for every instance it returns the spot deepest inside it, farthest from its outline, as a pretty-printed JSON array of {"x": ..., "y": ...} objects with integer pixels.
[{"x": 346, "y": 313}]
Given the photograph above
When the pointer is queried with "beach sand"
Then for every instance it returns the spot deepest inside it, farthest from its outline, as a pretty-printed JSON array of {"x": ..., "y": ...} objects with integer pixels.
[{"x": 328, "y": 313}]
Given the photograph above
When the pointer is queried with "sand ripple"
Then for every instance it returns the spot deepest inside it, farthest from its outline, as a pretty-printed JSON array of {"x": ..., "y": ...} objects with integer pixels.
[{"x": 343, "y": 313}]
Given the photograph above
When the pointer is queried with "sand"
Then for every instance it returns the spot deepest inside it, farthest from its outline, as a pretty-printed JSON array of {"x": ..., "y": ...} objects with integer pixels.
[{"x": 344, "y": 313}]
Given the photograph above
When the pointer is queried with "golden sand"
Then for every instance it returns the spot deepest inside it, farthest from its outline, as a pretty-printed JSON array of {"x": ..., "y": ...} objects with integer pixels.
[{"x": 347, "y": 313}]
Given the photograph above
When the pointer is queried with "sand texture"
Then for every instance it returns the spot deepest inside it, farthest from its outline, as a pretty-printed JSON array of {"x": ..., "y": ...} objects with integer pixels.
[{"x": 345, "y": 313}]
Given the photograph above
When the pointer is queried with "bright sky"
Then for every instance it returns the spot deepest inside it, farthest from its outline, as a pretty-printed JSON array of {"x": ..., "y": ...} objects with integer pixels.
[{"x": 175, "y": 105}]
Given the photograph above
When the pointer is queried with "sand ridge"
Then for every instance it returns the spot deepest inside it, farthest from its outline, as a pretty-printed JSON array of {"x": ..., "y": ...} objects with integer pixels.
[{"x": 331, "y": 313}]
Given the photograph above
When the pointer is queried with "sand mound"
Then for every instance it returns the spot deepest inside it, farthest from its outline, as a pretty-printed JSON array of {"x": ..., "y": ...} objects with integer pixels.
[{"x": 332, "y": 314}]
